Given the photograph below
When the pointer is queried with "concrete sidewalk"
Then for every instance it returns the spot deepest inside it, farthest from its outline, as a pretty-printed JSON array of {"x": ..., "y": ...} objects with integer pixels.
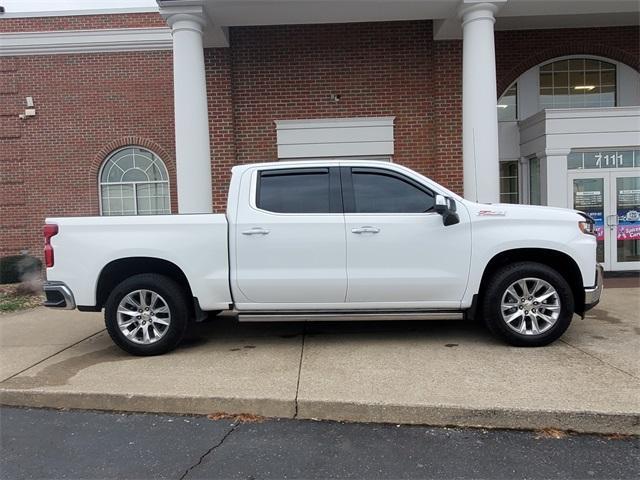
[{"x": 438, "y": 373}]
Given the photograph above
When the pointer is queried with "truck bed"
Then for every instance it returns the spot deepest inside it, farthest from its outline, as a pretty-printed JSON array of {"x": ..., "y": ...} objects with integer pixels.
[{"x": 197, "y": 243}]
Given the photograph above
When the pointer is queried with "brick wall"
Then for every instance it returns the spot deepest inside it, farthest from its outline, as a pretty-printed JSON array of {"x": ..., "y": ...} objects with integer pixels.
[
  {"x": 87, "y": 105},
  {"x": 81, "y": 22},
  {"x": 289, "y": 72}
]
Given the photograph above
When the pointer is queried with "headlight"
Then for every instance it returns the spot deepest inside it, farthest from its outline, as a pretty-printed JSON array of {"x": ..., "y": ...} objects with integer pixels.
[{"x": 587, "y": 227}]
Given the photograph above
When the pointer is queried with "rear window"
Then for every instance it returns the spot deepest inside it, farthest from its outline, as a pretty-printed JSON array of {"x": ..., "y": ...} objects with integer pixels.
[{"x": 295, "y": 191}]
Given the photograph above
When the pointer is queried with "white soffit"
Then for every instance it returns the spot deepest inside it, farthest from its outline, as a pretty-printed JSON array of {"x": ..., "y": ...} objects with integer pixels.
[
  {"x": 335, "y": 137},
  {"x": 85, "y": 41}
]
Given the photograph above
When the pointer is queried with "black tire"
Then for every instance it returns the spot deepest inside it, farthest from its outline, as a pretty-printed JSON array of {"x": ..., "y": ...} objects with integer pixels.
[
  {"x": 176, "y": 300},
  {"x": 498, "y": 284}
]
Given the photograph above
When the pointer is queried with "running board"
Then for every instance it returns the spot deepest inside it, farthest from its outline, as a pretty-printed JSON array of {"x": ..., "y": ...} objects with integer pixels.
[{"x": 347, "y": 316}]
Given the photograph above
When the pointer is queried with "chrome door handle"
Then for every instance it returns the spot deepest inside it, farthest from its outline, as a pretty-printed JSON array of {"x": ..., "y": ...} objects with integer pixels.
[
  {"x": 610, "y": 223},
  {"x": 256, "y": 231},
  {"x": 366, "y": 229}
]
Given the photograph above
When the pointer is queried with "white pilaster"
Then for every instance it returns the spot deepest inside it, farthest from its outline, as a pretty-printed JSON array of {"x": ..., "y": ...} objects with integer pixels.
[
  {"x": 553, "y": 178},
  {"x": 479, "y": 115},
  {"x": 193, "y": 158}
]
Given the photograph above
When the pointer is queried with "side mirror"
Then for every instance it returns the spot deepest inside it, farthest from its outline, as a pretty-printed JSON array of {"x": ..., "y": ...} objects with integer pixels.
[{"x": 446, "y": 207}]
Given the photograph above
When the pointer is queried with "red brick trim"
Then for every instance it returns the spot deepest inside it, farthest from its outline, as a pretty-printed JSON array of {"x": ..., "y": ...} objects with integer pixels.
[
  {"x": 562, "y": 50},
  {"x": 129, "y": 141}
]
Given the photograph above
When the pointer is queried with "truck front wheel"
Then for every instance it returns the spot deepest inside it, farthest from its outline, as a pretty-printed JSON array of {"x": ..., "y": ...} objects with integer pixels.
[
  {"x": 147, "y": 314},
  {"x": 528, "y": 304}
]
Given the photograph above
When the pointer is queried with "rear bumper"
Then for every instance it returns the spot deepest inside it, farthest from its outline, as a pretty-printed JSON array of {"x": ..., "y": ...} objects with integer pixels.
[
  {"x": 58, "y": 296},
  {"x": 592, "y": 295}
]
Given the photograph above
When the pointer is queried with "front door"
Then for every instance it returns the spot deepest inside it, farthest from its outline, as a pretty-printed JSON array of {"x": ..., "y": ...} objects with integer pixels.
[
  {"x": 398, "y": 249},
  {"x": 612, "y": 199}
]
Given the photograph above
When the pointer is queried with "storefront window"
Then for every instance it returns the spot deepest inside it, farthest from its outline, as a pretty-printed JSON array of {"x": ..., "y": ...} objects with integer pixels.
[
  {"x": 535, "y": 197},
  {"x": 508, "y": 105},
  {"x": 509, "y": 182},
  {"x": 577, "y": 82}
]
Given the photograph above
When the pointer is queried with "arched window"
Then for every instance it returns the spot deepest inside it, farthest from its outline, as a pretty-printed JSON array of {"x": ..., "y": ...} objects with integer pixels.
[
  {"x": 577, "y": 82},
  {"x": 134, "y": 181}
]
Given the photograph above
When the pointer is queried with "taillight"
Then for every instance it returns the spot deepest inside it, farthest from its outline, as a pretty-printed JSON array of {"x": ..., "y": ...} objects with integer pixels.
[{"x": 49, "y": 230}]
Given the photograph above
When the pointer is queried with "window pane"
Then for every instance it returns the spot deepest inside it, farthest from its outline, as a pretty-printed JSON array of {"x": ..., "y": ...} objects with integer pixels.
[
  {"x": 380, "y": 193},
  {"x": 560, "y": 66},
  {"x": 534, "y": 182},
  {"x": 306, "y": 191},
  {"x": 509, "y": 182},
  {"x": 576, "y": 64},
  {"x": 546, "y": 80},
  {"x": 118, "y": 200},
  {"x": 561, "y": 79},
  {"x": 153, "y": 198},
  {"x": 574, "y": 161},
  {"x": 590, "y": 64}
]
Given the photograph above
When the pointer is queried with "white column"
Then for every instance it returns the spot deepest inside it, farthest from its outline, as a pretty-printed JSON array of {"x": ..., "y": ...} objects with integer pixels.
[
  {"x": 479, "y": 115},
  {"x": 554, "y": 178},
  {"x": 193, "y": 159}
]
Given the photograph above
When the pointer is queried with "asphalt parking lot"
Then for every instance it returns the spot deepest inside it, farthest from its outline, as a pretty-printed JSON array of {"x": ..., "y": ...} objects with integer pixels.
[{"x": 76, "y": 444}]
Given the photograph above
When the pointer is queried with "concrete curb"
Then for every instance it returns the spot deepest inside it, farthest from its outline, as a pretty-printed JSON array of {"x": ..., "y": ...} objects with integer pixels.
[
  {"x": 266, "y": 407},
  {"x": 442, "y": 415},
  {"x": 437, "y": 415}
]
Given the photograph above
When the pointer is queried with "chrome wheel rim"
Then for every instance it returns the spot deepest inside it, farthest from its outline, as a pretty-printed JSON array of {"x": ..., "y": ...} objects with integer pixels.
[
  {"x": 530, "y": 306},
  {"x": 143, "y": 317}
]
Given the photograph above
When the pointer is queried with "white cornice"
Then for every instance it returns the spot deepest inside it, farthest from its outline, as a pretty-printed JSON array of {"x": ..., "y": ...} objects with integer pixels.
[
  {"x": 85, "y": 41},
  {"x": 78, "y": 12}
]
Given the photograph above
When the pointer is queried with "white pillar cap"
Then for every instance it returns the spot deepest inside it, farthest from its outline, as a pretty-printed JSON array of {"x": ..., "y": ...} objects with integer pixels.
[
  {"x": 470, "y": 10},
  {"x": 187, "y": 17}
]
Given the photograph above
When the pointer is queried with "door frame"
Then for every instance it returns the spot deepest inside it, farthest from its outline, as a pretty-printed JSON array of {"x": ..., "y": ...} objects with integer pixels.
[
  {"x": 610, "y": 219},
  {"x": 614, "y": 175}
]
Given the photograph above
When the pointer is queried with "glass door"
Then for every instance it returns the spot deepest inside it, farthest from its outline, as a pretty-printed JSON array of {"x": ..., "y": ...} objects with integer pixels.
[
  {"x": 590, "y": 194},
  {"x": 623, "y": 222}
]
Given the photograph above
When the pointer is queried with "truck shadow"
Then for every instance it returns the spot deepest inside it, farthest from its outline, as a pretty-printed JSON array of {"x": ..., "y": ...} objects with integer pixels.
[{"x": 447, "y": 330}]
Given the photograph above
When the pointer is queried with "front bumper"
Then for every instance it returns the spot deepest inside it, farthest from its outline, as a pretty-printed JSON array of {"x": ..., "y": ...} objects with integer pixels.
[
  {"x": 592, "y": 295},
  {"x": 58, "y": 296}
]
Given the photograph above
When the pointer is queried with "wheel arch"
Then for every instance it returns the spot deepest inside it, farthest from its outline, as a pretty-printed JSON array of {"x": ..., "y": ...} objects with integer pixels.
[
  {"x": 559, "y": 261},
  {"x": 118, "y": 270}
]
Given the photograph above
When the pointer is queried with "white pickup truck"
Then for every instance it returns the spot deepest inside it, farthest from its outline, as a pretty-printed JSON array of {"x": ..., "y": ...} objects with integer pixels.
[{"x": 331, "y": 240}]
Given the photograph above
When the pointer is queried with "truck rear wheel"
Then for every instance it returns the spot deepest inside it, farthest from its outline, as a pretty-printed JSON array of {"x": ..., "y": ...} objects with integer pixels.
[
  {"x": 147, "y": 314},
  {"x": 528, "y": 304}
]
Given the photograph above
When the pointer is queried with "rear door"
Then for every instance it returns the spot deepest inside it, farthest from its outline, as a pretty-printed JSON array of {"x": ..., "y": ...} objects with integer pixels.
[
  {"x": 398, "y": 249},
  {"x": 290, "y": 240}
]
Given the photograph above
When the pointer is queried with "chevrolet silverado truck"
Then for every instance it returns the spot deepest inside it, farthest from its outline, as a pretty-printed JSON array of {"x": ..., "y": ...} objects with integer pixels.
[{"x": 330, "y": 240}]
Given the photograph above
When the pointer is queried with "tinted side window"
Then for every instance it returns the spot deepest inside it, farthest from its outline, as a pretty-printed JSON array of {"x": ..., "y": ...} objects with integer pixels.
[
  {"x": 295, "y": 191},
  {"x": 377, "y": 192}
]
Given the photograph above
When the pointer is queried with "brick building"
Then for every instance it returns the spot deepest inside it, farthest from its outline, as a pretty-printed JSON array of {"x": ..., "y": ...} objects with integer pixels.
[{"x": 89, "y": 125}]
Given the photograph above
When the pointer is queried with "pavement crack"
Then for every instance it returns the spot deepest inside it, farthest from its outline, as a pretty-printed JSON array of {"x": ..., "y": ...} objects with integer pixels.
[
  {"x": 600, "y": 360},
  {"x": 211, "y": 450},
  {"x": 304, "y": 335}
]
